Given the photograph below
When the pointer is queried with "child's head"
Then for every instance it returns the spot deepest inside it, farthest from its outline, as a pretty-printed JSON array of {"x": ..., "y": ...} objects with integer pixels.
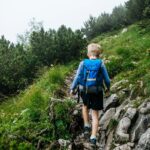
[{"x": 94, "y": 50}]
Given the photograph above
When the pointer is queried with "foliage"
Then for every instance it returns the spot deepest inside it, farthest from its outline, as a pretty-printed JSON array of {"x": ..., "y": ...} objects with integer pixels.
[
  {"x": 95, "y": 26},
  {"x": 17, "y": 67},
  {"x": 53, "y": 46},
  {"x": 25, "y": 118},
  {"x": 121, "y": 16},
  {"x": 138, "y": 9},
  {"x": 20, "y": 63},
  {"x": 114, "y": 67}
]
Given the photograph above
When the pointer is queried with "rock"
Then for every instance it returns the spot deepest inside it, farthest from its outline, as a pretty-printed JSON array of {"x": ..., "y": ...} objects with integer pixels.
[
  {"x": 120, "y": 109},
  {"x": 144, "y": 104},
  {"x": 131, "y": 144},
  {"x": 111, "y": 101},
  {"x": 104, "y": 121},
  {"x": 124, "y": 30},
  {"x": 75, "y": 112},
  {"x": 88, "y": 146},
  {"x": 122, "y": 129},
  {"x": 124, "y": 147},
  {"x": 54, "y": 145},
  {"x": 78, "y": 146},
  {"x": 145, "y": 91},
  {"x": 124, "y": 124},
  {"x": 130, "y": 113},
  {"x": 145, "y": 108},
  {"x": 109, "y": 141},
  {"x": 144, "y": 142},
  {"x": 63, "y": 143},
  {"x": 70, "y": 147},
  {"x": 141, "y": 125},
  {"x": 118, "y": 85}
]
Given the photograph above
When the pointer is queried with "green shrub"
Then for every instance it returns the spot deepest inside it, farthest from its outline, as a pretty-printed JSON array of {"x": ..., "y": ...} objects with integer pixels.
[
  {"x": 25, "y": 146},
  {"x": 112, "y": 124},
  {"x": 137, "y": 103},
  {"x": 114, "y": 66},
  {"x": 56, "y": 76},
  {"x": 35, "y": 105},
  {"x": 63, "y": 117},
  {"x": 128, "y": 65},
  {"x": 125, "y": 53}
]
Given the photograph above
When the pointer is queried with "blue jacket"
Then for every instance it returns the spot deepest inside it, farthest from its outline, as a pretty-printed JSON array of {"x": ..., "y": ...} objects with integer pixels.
[{"x": 104, "y": 77}]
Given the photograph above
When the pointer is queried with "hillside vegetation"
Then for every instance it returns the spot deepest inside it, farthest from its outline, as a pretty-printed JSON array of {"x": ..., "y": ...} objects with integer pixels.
[
  {"x": 127, "y": 54},
  {"x": 25, "y": 120}
]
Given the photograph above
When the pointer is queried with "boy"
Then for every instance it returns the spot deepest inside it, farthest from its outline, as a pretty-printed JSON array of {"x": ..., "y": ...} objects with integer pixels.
[{"x": 92, "y": 96}]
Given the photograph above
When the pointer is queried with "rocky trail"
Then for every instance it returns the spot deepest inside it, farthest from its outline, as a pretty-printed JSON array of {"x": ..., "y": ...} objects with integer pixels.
[{"x": 123, "y": 125}]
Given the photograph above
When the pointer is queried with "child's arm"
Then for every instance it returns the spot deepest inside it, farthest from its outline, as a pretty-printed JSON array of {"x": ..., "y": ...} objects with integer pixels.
[
  {"x": 77, "y": 76},
  {"x": 105, "y": 76}
]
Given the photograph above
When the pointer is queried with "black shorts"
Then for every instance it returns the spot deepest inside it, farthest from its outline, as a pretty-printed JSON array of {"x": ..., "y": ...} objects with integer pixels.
[{"x": 93, "y": 100}]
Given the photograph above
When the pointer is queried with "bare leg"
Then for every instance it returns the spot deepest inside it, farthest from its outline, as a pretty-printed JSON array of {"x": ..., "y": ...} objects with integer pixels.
[
  {"x": 95, "y": 116},
  {"x": 85, "y": 113}
]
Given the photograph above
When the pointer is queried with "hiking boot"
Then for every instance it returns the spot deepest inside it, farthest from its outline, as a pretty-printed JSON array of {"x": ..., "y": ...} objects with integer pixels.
[
  {"x": 93, "y": 141},
  {"x": 87, "y": 130}
]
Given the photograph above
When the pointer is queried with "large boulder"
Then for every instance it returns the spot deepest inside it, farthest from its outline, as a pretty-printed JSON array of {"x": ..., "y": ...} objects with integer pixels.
[
  {"x": 141, "y": 125},
  {"x": 127, "y": 146},
  {"x": 130, "y": 113},
  {"x": 109, "y": 141},
  {"x": 104, "y": 121},
  {"x": 145, "y": 108},
  {"x": 112, "y": 101},
  {"x": 120, "y": 109},
  {"x": 122, "y": 130},
  {"x": 122, "y": 134},
  {"x": 144, "y": 142}
]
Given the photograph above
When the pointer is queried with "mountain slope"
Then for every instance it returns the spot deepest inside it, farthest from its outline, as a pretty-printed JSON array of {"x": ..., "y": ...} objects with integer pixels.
[{"x": 36, "y": 118}]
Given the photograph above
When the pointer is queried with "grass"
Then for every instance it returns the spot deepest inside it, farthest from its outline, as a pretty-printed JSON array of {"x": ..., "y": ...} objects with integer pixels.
[
  {"x": 45, "y": 86},
  {"x": 113, "y": 124},
  {"x": 23, "y": 117},
  {"x": 128, "y": 54}
]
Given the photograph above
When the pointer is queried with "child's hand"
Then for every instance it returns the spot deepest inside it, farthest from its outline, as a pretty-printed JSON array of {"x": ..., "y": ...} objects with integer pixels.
[
  {"x": 72, "y": 92},
  {"x": 107, "y": 93}
]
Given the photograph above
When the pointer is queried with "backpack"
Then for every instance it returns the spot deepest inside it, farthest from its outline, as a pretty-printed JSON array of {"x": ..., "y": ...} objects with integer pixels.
[{"x": 90, "y": 81}]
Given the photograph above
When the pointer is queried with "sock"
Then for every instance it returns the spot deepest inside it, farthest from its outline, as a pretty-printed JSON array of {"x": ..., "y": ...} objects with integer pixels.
[
  {"x": 93, "y": 137},
  {"x": 87, "y": 125}
]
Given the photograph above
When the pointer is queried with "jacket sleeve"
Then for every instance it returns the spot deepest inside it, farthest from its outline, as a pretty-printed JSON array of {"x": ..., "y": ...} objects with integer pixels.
[
  {"x": 105, "y": 75},
  {"x": 77, "y": 76}
]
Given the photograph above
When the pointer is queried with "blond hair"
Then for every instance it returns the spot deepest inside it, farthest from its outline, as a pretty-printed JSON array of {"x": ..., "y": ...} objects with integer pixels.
[{"x": 94, "y": 49}]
